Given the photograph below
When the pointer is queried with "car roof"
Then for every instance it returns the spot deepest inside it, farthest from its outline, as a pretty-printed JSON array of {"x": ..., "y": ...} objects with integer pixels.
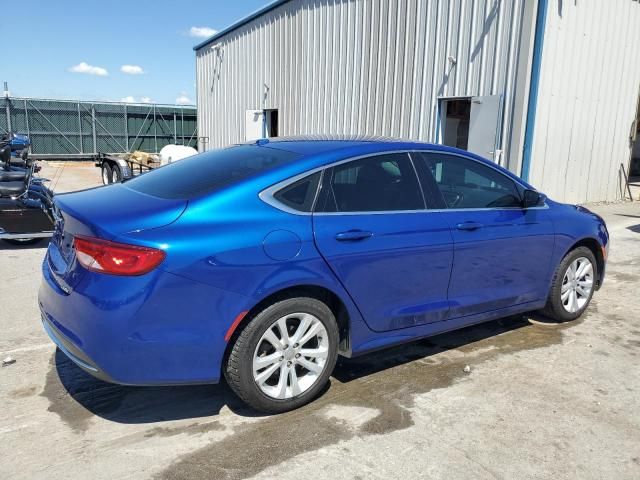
[
  {"x": 317, "y": 151},
  {"x": 315, "y": 144}
]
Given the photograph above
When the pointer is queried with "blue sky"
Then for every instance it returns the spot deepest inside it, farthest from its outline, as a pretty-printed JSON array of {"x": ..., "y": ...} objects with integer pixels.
[{"x": 95, "y": 50}]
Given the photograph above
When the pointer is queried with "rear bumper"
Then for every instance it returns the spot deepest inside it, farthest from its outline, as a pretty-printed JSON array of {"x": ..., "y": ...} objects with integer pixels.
[
  {"x": 156, "y": 329},
  {"x": 74, "y": 354}
]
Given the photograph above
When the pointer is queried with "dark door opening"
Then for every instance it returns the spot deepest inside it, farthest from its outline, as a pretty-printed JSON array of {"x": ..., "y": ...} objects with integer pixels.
[
  {"x": 271, "y": 123},
  {"x": 456, "y": 118},
  {"x": 634, "y": 140}
]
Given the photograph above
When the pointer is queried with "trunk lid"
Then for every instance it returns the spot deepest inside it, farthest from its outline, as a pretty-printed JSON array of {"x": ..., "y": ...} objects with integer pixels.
[
  {"x": 107, "y": 212},
  {"x": 103, "y": 212}
]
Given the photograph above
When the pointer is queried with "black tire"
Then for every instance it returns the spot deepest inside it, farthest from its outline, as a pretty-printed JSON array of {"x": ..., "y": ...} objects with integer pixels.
[
  {"x": 116, "y": 173},
  {"x": 554, "y": 308},
  {"x": 23, "y": 242},
  {"x": 238, "y": 369},
  {"x": 106, "y": 173}
]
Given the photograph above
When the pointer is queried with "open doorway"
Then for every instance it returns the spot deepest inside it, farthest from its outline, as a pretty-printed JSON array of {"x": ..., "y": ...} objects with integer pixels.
[
  {"x": 271, "y": 123},
  {"x": 634, "y": 163},
  {"x": 456, "y": 114},
  {"x": 472, "y": 124},
  {"x": 634, "y": 138}
]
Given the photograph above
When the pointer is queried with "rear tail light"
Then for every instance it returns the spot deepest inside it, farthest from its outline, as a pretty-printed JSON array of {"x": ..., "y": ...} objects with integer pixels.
[{"x": 114, "y": 258}]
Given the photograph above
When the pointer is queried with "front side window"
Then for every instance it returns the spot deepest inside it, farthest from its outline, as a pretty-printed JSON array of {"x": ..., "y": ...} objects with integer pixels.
[
  {"x": 377, "y": 183},
  {"x": 465, "y": 183}
]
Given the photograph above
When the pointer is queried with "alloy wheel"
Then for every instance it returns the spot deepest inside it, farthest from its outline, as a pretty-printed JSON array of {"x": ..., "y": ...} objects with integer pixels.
[
  {"x": 577, "y": 285},
  {"x": 291, "y": 355}
]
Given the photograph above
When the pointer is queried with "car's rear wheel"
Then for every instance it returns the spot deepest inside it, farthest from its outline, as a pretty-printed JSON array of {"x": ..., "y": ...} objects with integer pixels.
[
  {"x": 284, "y": 356},
  {"x": 573, "y": 285}
]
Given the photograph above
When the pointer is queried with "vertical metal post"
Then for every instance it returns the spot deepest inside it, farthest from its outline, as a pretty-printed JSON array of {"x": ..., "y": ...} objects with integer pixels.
[
  {"x": 26, "y": 118},
  {"x": 126, "y": 127},
  {"x": 80, "y": 130},
  {"x": 182, "y": 123},
  {"x": 175, "y": 128},
  {"x": 93, "y": 129},
  {"x": 8, "y": 112},
  {"x": 155, "y": 129}
]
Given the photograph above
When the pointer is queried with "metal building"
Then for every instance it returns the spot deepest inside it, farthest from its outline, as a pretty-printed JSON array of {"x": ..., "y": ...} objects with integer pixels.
[
  {"x": 547, "y": 88},
  {"x": 75, "y": 129}
]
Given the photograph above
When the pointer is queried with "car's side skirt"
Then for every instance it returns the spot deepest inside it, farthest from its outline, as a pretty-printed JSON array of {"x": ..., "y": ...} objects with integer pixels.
[{"x": 378, "y": 341}]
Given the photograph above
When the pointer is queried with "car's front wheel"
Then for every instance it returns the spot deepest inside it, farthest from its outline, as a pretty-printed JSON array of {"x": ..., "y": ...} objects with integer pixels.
[
  {"x": 573, "y": 285},
  {"x": 284, "y": 356}
]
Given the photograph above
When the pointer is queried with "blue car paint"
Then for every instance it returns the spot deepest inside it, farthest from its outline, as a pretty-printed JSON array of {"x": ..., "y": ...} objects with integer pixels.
[
  {"x": 136, "y": 210},
  {"x": 409, "y": 260},
  {"x": 229, "y": 250},
  {"x": 515, "y": 279}
]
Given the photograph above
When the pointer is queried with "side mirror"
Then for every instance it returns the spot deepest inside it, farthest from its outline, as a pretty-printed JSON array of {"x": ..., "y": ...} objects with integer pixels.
[{"x": 533, "y": 198}]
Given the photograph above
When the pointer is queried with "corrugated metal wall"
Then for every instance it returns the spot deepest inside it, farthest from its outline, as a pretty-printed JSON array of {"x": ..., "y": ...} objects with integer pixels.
[
  {"x": 588, "y": 95},
  {"x": 359, "y": 66}
]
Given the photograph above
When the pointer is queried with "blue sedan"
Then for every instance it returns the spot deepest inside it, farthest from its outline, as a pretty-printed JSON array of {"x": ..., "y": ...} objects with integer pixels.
[{"x": 264, "y": 262}]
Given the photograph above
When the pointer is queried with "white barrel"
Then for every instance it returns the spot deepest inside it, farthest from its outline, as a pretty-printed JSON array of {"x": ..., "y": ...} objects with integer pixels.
[{"x": 173, "y": 153}]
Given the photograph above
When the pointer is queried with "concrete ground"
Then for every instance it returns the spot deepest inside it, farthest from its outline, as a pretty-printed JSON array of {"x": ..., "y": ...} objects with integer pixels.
[{"x": 541, "y": 400}]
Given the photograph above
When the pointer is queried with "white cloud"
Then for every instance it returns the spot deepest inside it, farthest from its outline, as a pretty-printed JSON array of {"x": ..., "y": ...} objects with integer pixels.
[
  {"x": 132, "y": 99},
  {"x": 84, "y": 67},
  {"x": 132, "y": 69},
  {"x": 202, "y": 32},
  {"x": 184, "y": 100}
]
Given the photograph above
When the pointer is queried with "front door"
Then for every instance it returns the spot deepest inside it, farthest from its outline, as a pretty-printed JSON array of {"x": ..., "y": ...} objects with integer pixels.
[
  {"x": 392, "y": 256},
  {"x": 502, "y": 251}
]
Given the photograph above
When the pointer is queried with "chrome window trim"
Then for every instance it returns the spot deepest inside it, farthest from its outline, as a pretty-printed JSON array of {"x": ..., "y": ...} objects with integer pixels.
[
  {"x": 436, "y": 210},
  {"x": 267, "y": 195}
]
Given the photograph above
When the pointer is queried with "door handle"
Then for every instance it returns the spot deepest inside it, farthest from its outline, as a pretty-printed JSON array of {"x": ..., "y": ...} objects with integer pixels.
[
  {"x": 469, "y": 226},
  {"x": 353, "y": 235}
]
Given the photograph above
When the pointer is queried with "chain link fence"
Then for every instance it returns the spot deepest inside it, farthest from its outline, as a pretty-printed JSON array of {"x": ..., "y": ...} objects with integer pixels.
[{"x": 62, "y": 128}]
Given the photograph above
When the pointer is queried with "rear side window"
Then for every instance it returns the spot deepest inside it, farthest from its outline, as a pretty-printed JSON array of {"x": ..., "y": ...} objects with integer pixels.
[
  {"x": 466, "y": 183},
  {"x": 210, "y": 171},
  {"x": 301, "y": 194},
  {"x": 376, "y": 183}
]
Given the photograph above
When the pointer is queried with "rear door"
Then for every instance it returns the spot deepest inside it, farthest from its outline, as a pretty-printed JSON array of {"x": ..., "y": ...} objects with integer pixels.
[
  {"x": 392, "y": 256},
  {"x": 502, "y": 251}
]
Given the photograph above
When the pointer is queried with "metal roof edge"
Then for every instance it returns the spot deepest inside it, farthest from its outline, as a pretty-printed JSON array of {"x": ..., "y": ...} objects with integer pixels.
[{"x": 243, "y": 21}]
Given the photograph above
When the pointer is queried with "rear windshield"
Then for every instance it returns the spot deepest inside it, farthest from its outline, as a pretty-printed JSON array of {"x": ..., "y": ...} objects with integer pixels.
[{"x": 209, "y": 171}]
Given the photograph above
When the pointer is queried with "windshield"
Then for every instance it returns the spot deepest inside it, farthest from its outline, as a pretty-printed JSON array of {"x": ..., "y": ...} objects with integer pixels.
[{"x": 209, "y": 171}]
